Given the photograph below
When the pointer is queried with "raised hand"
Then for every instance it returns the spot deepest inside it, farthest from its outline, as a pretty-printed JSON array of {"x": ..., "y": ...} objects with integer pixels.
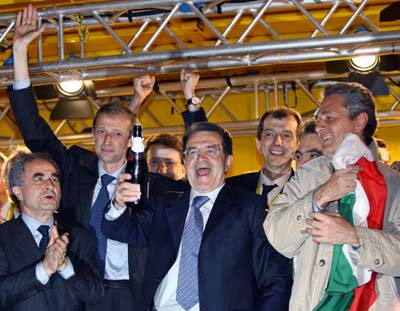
[
  {"x": 143, "y": 86},
  {"x": 26, "y": 28},
  {"x": 189, "y": 81}
]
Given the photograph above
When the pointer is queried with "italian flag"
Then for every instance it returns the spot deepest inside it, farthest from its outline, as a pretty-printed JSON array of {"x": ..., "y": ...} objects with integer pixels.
[{"x": 351, "y": 287}]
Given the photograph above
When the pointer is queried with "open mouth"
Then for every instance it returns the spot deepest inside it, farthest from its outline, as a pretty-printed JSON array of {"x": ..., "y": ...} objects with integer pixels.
[{"x": 203, "y": 171}]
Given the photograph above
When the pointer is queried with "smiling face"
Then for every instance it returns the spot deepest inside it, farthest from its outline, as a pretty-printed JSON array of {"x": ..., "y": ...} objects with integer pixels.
[
  {"x": 111, "y": 138},
  {"x": 40, "y": 192},
  {"x": 206, "y": 172},
  {"x": 333, "y": 122},
  {"x": 277, "y": 145}
]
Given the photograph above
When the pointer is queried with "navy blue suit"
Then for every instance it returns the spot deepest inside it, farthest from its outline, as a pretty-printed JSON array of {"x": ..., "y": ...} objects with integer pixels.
[
  {"x": 238, "y": 268},
  {"x": 21, "y": 291}
]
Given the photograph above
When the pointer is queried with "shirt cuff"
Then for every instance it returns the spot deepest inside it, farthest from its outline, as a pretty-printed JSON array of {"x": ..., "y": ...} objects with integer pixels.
[
  {"x": 114, "y": 213},
  {"x": 41, "y": 274},
  {"x": 314, "y": 206},
  {"x": 22, "y": 84},
  {"x": 68, "y": 271}
]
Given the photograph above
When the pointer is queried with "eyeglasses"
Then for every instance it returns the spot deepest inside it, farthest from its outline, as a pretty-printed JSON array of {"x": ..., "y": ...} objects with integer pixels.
[
  {"x": 192, "y": 153},
  {"x": 271, "y": 134},
  {"x": 311, "y": 154},
  {"x": 155, "y": 163}
]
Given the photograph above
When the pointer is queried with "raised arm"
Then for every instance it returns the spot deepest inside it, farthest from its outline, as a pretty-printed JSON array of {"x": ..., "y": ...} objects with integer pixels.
[
  {"x": 194, "y": 112},
  {"x": 26, "y": 31},
  {"x": 143, "y": 86}
]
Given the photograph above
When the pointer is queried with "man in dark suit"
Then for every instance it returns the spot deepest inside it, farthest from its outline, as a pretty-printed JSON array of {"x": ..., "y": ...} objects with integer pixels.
[
  {"x": 81, "y": 169},
  {"x": 206, "y": 246},
  {"x": 277, "y": 136},
  {"x": 278, "y": 133},
  {"x": 40, "y": 270}
]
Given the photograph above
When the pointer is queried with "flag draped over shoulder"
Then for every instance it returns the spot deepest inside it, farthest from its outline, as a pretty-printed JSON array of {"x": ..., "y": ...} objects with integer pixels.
[{"x": 351, "y": 287}]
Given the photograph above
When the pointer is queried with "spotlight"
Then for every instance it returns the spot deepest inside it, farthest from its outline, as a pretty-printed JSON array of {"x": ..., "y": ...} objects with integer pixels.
[
  {"x": 364, "y": 63},
  {"x": 71, "y": 87}
]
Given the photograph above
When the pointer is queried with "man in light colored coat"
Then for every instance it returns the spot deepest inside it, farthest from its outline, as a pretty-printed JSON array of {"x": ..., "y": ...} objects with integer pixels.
[{"x": 304, "y": 221}]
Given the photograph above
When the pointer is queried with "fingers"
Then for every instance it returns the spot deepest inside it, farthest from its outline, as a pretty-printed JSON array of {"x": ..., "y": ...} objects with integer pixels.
[{"x": 125, "y": 191}]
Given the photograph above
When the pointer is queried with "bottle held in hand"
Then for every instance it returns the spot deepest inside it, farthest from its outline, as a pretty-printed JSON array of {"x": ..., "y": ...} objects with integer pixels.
[{"x": 136, "y": 166}]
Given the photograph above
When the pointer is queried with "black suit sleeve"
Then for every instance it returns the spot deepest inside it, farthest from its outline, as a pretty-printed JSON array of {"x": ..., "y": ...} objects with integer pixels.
[
  {"x": 87, "y": 281},
  {"x": 132, "y": 227},
  {"x": 273, "y": 271},
  {"x": 16, "y": 287},
  {"x": 37, "y": 134},
  {"x": 192, "y": 117}
]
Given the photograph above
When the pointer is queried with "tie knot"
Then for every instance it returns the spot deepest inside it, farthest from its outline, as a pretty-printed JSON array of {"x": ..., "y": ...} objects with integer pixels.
[
  {"x": 44, "y": 230},
  {"x": 268, "y": 188},
  {"x": 199, "y": 201},
  {"x": 106, "y": 179}
]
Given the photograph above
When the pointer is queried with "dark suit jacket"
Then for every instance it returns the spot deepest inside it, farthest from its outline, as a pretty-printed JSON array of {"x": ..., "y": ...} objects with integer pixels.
[
  {"x": 248, "y": 181},
  {"x": 238, "y": 268},
  {"x": 79, "y": 171},
  {"x": 19, "y": 288}
]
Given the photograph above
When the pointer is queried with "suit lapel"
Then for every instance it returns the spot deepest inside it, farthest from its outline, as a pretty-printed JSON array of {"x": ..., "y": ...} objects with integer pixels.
[
  {"x": 87, "y": 183},
  {"x": 24, "y": 242},
  {"x": 221, "y": 207},
  {"x": 176, "y": 212}
]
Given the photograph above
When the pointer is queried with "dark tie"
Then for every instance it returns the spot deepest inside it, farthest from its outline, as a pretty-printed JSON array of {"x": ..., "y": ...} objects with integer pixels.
[
  {"x": 44, "y": 231},
  {"x": 96, "y": 218},
  {"x": 187, "y": 292},
  {"x": 267, "y": 189}
]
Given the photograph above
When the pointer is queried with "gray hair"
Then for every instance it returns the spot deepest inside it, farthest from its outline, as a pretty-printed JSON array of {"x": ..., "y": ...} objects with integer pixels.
[
  {"x": 15, "y": 169},
  {"x": 357, "y": 99}
]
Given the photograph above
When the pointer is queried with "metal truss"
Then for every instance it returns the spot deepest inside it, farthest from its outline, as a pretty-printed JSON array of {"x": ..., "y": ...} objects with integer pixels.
[{"x": 148, "y": 37}]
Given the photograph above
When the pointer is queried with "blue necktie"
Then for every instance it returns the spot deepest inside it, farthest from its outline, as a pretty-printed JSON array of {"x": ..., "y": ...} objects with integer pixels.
[
  {"x": 96, "y": 218},
  {"x": 44, "y": 231},
  {"x": 187, "y": 293}
]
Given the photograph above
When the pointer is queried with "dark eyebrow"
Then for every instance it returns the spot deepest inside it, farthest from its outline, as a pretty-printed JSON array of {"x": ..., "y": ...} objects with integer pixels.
[{"x": 37, "y": 175}]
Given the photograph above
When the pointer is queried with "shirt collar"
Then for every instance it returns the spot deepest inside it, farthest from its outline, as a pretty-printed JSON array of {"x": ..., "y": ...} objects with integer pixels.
[
  {"x": 212, "y": 195},
  {"x": 33, "y": 224},
  {"x": 115, "y": 174},
  {"x": 281, "y": 181}
]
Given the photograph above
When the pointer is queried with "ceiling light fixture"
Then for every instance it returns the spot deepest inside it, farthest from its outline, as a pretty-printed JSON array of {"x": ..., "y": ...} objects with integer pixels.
[
  {"x": 70, "y": 87},
  {"x": 364, "y": 63}
]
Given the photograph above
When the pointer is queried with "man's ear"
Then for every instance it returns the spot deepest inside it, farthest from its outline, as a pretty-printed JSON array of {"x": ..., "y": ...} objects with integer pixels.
[
  {"x": 259, "y": 146},
  {"x": 361, "y": 123},
  {"x": 17, "y": 191},
  {"x": 228, "y": 162}
]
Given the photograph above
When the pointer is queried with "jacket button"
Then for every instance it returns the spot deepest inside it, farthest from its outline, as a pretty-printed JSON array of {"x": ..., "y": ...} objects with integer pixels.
[
  {"x": 303, "y": 231},
  {"x": 322, "y": 263},
  {"x": 377, "y": 262},
  {"x": 299, "y": 217}
]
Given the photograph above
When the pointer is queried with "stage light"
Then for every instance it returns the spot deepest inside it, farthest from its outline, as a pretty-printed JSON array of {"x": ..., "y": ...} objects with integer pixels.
[
  {"x": 364, "y": 63},
  {"x": 71, "y": 87}
]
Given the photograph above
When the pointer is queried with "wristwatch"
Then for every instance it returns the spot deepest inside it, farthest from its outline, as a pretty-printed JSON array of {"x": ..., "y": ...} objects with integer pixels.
[{"x": 193, "y": 103}]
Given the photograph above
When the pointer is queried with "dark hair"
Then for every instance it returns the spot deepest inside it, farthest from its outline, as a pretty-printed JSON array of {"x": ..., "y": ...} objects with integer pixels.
[
  {"x": 113, "y": 110},
  {"x": 381, "y": 143},
  {"x": 281, "y": 113},
  {"x": 357, "y": 99},
  {"x": 164, "y": 140},
  {"x": 15, "y": 169},
  {"x": 309, "y": 127},
  {"x": 210, "y": 127}
]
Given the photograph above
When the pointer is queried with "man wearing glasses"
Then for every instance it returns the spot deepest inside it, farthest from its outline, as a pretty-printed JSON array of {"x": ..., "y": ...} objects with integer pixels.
[
  {"x": 164, "y": 156},
  {"x": 310, "y": 146},
  {"x": 206, "y": 246}
]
